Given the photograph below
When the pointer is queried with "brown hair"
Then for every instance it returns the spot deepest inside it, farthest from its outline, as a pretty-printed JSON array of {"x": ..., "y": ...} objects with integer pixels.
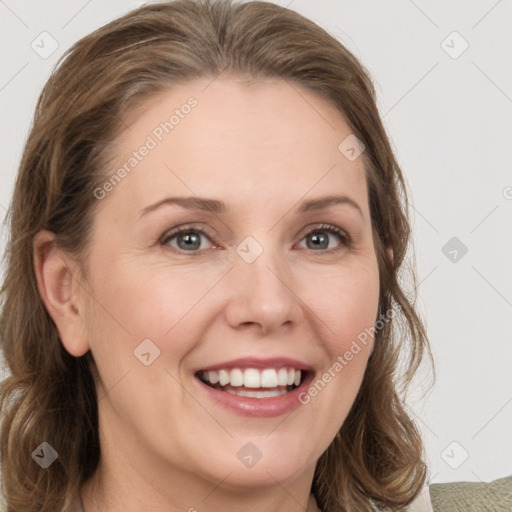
[{"x": 377, "y": 456}]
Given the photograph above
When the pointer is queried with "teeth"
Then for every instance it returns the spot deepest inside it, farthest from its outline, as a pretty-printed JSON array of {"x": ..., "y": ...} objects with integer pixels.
[
  {"x": 236, "y": 377},
  {"x": 254, "y": 378},
  {"x": 269, "y": 378},
  {"x": 282, "y": 377},
  {"x": 213, "y": 377},
  {"x": 223, "y": 377}
]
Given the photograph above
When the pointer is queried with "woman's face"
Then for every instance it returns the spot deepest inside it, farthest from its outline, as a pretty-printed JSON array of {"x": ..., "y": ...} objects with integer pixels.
[{"x": 253, "y": 290}]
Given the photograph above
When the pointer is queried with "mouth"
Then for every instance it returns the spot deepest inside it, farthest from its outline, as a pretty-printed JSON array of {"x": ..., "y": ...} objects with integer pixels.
[
  {"x": 256, "y": 387},
  {"x": 259, "y": 383}
]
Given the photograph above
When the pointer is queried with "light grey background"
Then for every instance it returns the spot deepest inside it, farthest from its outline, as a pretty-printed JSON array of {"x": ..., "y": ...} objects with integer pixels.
[{"x": 449, "y": 118}]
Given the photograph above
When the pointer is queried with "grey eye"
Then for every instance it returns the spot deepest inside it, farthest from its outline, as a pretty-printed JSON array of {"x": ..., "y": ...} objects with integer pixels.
[{"x": 188, "y": 240}]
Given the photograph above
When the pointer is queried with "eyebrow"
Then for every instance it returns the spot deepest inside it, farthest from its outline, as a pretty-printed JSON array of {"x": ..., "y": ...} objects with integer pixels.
[{"x": 219, "y": 207}]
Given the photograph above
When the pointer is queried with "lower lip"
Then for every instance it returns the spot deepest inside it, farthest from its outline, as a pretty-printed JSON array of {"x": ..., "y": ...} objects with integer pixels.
[{"x": 270, "y": 407}]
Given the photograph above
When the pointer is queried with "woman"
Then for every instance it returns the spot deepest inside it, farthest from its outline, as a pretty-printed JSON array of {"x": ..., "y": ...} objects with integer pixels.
[{"x": 202, "y": 307}]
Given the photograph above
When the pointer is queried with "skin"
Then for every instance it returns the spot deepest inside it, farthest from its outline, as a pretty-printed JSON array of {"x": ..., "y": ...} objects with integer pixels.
[{"x": 262, "y": 148}]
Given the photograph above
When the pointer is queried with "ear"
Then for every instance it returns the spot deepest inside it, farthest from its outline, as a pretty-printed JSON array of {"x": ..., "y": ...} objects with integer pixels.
[{"x": 58, "y": 287}]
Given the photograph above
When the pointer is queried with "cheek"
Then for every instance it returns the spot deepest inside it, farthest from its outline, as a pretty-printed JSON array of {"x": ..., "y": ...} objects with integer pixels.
[
  {"x": 131, "y": 303},
  {"x": 346, "y": 306},
  {"x": 346, "y": 303}
]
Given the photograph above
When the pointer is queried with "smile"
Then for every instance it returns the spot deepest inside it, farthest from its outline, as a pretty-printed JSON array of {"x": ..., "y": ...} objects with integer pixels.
[
  {"x": 256, "y": 387},
  {"x": 253, "y": 382}
]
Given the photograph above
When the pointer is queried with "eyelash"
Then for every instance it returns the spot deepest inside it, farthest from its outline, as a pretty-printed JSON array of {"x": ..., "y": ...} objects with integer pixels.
[{"x": 345, "y": 239}]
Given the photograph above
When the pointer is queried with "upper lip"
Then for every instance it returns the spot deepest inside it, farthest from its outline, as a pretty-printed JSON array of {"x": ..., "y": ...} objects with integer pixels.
[{"x": 258, "y": 363}]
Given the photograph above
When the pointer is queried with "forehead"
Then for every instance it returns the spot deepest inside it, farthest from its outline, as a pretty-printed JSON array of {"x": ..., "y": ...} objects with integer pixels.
[{"x": 270, "y": 141}]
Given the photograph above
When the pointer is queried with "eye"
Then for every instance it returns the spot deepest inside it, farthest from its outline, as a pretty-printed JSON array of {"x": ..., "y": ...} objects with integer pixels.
[
  {"x": 319, "y": 238},
  {"x": 188, "y": 239}
]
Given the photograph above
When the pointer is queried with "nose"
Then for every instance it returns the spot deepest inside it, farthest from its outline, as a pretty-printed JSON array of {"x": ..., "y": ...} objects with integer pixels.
[{"x": 263, "y": 295}]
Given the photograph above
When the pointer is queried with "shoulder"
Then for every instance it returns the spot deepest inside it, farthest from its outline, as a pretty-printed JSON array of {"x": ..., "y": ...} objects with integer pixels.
[{"x": 472, "y": 496}]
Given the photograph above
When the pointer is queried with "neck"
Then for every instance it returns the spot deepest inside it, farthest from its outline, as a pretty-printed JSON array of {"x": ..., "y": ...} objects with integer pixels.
[
  {"x": 130, "y": 497},
  {"x": 120, "y": 485}
]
